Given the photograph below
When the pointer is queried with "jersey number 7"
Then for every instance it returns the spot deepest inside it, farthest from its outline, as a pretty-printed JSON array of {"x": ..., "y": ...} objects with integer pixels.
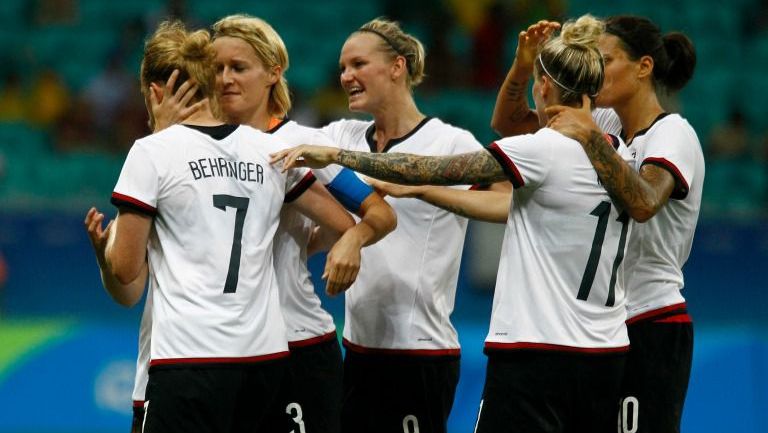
[{"x": 222, "y": 201}]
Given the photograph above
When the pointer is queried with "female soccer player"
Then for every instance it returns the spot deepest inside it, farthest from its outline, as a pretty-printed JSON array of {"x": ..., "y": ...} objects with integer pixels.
[
  {"x": 198, "y": 208},
  {"x": 557, "y": 341},
  {"x": 250, "y": 60},
  {"x": 663, "y": 191},
  {"x": 402, "y": 353}
]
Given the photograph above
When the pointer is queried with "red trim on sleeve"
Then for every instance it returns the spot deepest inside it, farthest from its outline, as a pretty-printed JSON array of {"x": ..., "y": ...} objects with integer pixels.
[
  {"x": 612, "y": 139},
  {"x": 408, "y": 352},
  {"x": 676, "y": 308},
  {"x": 509, "y": 167},
  {"x": 553, "y": 347},
  {"x": 300, "y": 187},
  {"x": 138, "y": 403},
  {"x": 681, "y": 186},
  {"x": 232, "y": 360},
  {"x": 124, "y": 200},
  {"x": 312, "y": 341}
]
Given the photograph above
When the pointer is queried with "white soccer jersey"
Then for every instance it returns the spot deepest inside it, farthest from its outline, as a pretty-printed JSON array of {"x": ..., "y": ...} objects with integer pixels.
[
  {"x": 305, "y": 319},
  {"x": 559, "y": 282},
  {"x": 404, "y": 295},
  {"x": 659, "y": 248},
  {"x": 216, "y": 203}
]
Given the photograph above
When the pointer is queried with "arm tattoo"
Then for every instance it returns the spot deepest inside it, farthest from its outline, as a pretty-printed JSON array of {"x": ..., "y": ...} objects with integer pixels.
[
  {"x": 408, "y": 169},
  {"x": 619, "y": 179},
  {"x": 515, "y": 93}
]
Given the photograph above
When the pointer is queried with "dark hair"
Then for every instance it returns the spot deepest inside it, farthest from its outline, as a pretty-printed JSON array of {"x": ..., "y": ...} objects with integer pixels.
[{"x": 674, "y": 56}]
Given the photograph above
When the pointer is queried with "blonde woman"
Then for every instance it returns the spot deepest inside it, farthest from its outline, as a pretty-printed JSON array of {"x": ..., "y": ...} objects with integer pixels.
[
  {"x": 198, "y": 208},
  {"x": 557, "y": 341}
]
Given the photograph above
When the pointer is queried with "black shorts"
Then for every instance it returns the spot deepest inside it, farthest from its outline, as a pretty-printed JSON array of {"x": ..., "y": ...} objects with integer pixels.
[
  {"x": 398, "y": 393},
  {"x": 554, "y": 392},
  {"x": 657, "y": 373},
  {"x": 212, "y": 399},
  {"x": 312, "y": 395},
  {"x": 137, "y": 423}
]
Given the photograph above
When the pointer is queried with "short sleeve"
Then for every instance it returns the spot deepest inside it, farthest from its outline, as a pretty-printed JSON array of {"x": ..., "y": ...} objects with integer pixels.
[
  {"x": 607, "y": 120},
  {"x": 526, "y": 159},
  {"x": 671, "y": 147},
  {"x": 139, "y": 182},
  {"x": 297, "y": 181}
]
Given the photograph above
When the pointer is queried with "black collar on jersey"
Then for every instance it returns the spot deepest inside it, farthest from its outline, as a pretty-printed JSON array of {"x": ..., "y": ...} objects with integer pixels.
[
  {"x": 369, "y": 134},
  {"x": 274, "y": 129},
  {"x": 218, "y": 132},
  {"x": 644, "y": 130}
]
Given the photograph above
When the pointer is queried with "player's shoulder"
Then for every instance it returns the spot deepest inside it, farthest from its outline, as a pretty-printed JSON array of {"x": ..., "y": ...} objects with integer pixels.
[
  {"x": 348, "y": 126},
  {"x": 672, "y": 128},
  {"x": 296, "y": 134}
]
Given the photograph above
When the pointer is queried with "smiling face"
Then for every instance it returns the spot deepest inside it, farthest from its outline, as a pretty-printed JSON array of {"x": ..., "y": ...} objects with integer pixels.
[
  {"x": 243, "y": 84},
  {"x": 366, "y": 72},
  {"x": 621, "y": 73}
]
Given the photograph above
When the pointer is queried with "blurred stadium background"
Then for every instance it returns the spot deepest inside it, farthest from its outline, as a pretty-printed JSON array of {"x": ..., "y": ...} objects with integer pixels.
[{"x": 70, "y": 108}]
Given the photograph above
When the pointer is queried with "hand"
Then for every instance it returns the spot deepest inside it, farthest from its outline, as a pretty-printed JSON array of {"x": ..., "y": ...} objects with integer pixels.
[
  {"x": 529, "y": 41},
  {"x": 169, "y": 108},
  {"x": 97, "y": 236},
  {"x": 305, "y": 156},
  {"x": 576, "y": 123},
  {"x": 341, "y": 266},
  {"x": 393, "y": 189}
]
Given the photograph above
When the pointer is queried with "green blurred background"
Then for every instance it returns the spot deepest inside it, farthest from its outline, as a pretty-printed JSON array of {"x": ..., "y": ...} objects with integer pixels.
[{"x": 70, "y": 108}]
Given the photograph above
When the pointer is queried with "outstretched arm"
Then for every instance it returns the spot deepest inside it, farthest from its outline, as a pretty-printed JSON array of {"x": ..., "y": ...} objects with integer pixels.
[
  {"x": 640, "y": 194},
  {"x": 404, "y": 168},
  {"x": 490, "y": 205},
  {"x": 511, "y": 114}
]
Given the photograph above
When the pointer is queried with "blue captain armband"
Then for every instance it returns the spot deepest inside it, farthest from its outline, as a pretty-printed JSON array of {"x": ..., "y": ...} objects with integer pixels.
[{"x": 349, "y": 190}]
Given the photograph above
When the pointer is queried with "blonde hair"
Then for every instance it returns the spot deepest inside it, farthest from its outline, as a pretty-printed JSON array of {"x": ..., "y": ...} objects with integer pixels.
[
  {"x": 173, "y": 47},
  {"x": 269, "y": 48},
  {"x": 395, "y": 42},
  {"x": 573, "y": 61}
]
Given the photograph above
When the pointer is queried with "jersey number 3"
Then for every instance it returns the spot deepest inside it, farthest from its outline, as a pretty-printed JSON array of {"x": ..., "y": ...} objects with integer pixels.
[
  {"x": 602, "y": 212},
  {"x": 223, "y": 201}
]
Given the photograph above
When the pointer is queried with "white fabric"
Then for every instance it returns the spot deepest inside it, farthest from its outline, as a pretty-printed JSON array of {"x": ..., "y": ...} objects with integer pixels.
[
  {"x": 404, "y": 295},
  {"x": 659, "y": 248},
  {"x": 304, "y": 317},
  {"x": 185, "y": 174},
  {"x": 550, "y": 233}
]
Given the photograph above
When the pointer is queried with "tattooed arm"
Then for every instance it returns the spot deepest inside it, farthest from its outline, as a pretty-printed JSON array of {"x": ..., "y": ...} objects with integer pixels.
[
  {"x": 403, "y": 168},
  {"x": 511, "y": 115},
  {"x": 408, "y": 169},
  {"x": 640, "y": 194}
]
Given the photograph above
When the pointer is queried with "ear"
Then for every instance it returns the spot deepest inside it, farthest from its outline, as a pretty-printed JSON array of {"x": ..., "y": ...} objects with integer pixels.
[
  {"x": 546, "y": 86},
  {"x": 157, "y": 91},
  {"x": 275, "y": 74},
  {"x": 398, "y": 68},
  {"x": 645, "y": 67}
]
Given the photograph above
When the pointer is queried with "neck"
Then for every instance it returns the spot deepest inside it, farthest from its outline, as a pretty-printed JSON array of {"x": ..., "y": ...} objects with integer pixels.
[
  {"x": 395, "y": 119},
  {"x": 203, "y": 117},
  {"x": 259, "y": 120},
  {"x": 638, "y": 113}
]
